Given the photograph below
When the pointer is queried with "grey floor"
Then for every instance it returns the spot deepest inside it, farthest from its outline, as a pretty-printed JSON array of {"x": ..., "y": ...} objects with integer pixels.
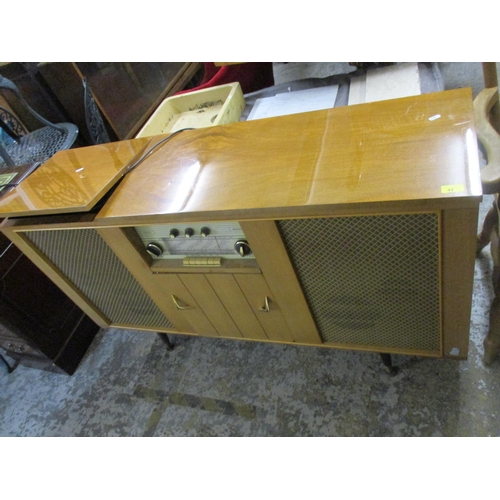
[{"x": 129, "y": 385}]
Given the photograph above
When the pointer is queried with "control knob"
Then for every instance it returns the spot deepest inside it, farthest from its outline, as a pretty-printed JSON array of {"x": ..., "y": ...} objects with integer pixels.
[
  {"x": 154, "y": 249},
  {"x": 174, "y": 233},
  {"x": 205, "y": 231},
  {"x": 243, "y": 248},
  {"x": 188, "y": 232}
]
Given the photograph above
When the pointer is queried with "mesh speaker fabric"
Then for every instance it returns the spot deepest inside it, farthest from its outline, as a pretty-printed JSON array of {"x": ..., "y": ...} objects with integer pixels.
[
  {"x": 91, "y": 266},
  {"x": 370, "y": 281}
]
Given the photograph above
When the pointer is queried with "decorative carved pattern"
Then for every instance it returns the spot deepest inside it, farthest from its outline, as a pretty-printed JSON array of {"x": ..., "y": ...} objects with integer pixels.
[{"x": 12, "y": 122}]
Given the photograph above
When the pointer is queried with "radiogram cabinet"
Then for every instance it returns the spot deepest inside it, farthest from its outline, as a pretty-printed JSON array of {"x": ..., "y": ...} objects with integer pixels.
[{"x": 350, "y": 228}]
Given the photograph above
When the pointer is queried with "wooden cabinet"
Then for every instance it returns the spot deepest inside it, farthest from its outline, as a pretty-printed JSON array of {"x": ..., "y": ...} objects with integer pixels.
[
  {"x": 39, "y": 325},
  {"x": 126, "y": 94},
  {"x": 362, "y": 230}
]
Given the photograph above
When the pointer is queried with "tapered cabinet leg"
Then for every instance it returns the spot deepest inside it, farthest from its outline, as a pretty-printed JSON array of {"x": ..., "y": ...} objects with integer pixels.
[
  {"x": 166, "y": 341},
  {"x": 10, "y": 368},
  {"x": 387, "y": 360},
  {"x": 492, "y": 340},
  {"x": 490, "y": 222}
]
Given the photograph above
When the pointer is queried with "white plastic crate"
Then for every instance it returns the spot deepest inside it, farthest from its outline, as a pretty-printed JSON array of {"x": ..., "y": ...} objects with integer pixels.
[{"x": 198, "y": 109}]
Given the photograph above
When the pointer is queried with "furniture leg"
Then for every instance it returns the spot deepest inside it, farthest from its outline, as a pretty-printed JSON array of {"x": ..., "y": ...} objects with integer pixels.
[
  {"x": 10, "y": 368},
  {"x": 492, "y": 341},
  {"x": 5, "y": 156},
  {"x": 490, "y": 222},
  {"x": 166, "y": 341},
  {"x": 387, "y": 360}
]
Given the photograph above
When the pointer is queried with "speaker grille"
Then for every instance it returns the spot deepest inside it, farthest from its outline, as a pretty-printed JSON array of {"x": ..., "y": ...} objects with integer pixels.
[
  {"x": 370, "y": 281},
  {"x": 91, "y": 266}
]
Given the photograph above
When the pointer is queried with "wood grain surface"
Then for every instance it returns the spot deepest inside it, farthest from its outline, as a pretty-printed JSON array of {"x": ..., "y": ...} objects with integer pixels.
[
  {"x": 403, "y": 150},
  {"x": 72, "y": 180}
]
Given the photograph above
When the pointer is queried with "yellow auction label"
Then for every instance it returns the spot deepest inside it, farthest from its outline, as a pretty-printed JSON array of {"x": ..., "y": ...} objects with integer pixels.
[{"x": 452, "y": 188}]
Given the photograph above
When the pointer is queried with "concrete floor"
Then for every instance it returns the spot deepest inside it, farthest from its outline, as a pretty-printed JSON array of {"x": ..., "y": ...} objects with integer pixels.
[{"x": 129, "y": 385}]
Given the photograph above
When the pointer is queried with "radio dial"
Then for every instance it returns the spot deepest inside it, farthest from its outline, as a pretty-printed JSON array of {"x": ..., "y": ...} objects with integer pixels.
[
  {"x": 174, "y": 233},
  {"x": 243, "y": 248},
  {"x": 205, "y": 231},
  {"x": 188, "y": 232},
  {"x": 154, "y": 249}
]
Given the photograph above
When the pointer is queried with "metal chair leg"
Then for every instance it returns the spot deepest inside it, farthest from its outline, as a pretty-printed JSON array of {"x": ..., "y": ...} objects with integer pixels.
[{"x": 166, "y": 341}]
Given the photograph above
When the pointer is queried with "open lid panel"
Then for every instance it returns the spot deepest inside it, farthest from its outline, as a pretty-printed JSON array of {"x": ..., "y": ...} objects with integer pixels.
[{"x": 73, "y": 180}]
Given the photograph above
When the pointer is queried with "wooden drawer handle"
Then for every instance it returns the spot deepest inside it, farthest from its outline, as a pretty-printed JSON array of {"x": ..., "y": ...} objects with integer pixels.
[{"x": 178, "y": 306}]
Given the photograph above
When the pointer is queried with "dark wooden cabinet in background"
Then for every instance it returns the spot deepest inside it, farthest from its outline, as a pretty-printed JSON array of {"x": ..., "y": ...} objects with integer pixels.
[
  {"x": 126, "y": 94},
  {"x": 39, "y": 325}
]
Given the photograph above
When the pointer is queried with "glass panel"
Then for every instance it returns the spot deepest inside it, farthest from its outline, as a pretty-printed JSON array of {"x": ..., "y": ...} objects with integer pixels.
[{"x": 129, "y": 92}]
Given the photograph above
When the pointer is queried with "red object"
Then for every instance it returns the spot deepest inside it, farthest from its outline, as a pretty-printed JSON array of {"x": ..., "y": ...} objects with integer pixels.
[{"x": 251, "y": 76}]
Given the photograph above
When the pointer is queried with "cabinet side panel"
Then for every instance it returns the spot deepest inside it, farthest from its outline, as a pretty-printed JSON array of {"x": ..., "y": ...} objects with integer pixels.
[
  {"x": 459, "y": 252},
  {"x": 87, "y": 262}
]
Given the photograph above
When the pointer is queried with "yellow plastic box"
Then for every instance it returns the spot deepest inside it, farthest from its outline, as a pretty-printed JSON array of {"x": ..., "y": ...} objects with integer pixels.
[{"x": 198, "y": 109}]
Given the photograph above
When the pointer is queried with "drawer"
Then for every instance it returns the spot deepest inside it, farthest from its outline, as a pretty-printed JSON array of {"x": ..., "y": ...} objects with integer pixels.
[{"x": 17, "y": 347}]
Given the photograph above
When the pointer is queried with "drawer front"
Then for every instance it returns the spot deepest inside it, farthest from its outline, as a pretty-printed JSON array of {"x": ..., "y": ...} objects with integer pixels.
[
  {"x": 15, "y": 345},
  {"x": 186, "y": 314},
  {"x": 234, "y": 300},
  {"x": 265, "y": 307},
  {"x": 226, "y": 305},
  {"x": 253, "y": 308},
  {"x": 210, "y": 303}
]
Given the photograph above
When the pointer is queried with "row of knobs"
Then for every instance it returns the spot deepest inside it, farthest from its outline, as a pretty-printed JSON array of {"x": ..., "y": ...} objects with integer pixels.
[
  {"x": 188, "y": 232},
  {"x": 241, "y": 246}
]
